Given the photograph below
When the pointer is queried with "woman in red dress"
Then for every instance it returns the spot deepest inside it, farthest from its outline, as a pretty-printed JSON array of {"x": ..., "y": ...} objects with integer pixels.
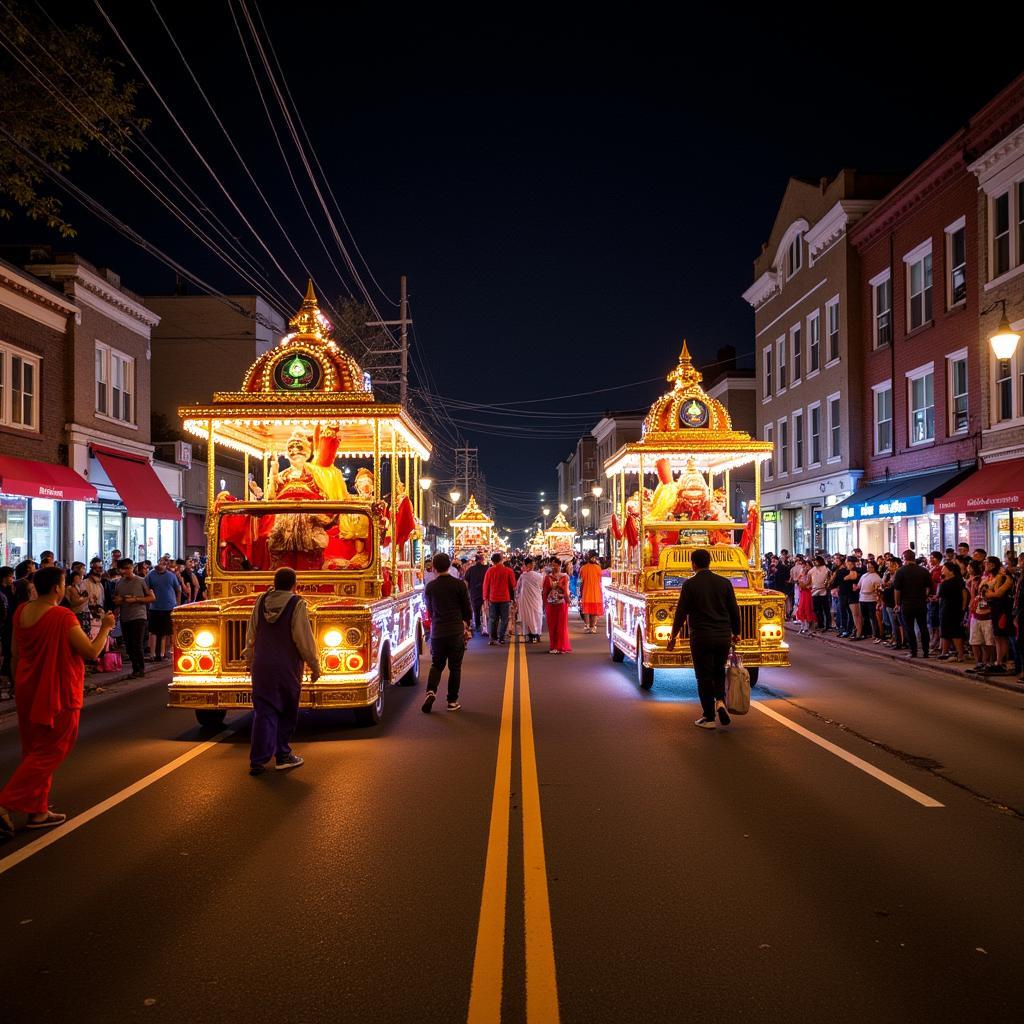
[
  {"x": 555, "y": 592},
  {"x": 49, "y": 678}
]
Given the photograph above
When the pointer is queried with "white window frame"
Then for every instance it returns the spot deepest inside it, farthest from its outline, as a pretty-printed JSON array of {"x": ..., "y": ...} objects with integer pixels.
[
  {"x": 796, "y": 343},
  {"x": 795, "y": 255},
  {"x": 835, "y": 397},
  {"x": 960, "y": 224},
  {"x": 768, "y": 382},
  {"x": 957, "y": 357},
  {"x": 997, "y": 413},
  {"x": 783, "y": 446},
  {"x": 884, "y": 278},
  {"x": 796, "y": 436},
  {"x": 812, "y": 462},
  {"x": 781, "y": 366},
  {"x": 769, "y": 464},
  {"x": 831, "y": 360},
  {"x": 813, "y": 343},
  {"x": 106, "y": 356},
  {"x": 8, "y": 353},
  {"x": 916, "y": 256},
  {"x": 1012, "y": 257},
  {"x": 919, "y": 373},
  {"x": 876, "y": 391}
]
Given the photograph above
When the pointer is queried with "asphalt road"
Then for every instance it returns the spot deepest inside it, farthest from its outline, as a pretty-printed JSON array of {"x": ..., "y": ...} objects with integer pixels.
[{"x": 645, "y": 870}]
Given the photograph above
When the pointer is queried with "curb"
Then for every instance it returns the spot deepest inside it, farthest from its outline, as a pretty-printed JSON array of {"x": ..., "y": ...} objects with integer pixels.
[{"x": 925, "y": 665}]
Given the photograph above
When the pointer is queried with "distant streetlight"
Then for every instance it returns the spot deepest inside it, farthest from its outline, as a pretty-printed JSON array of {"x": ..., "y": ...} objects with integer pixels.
[
  {"x": 425, "y": 482},
  {"x": 1004, "y": 339},
  {"x": 545, "y": 512},
  {"x": 563, "y": 508},
  {"x": 586, "y": 513},
  {"x": 597, "y": 491},
  {"x": 455, "y": 495}
]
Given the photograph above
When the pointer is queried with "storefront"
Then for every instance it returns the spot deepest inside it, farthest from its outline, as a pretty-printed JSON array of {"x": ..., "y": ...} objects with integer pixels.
[
  {"x": 995, "y": 493},
  {"x": 34, "y": 502},
  {"x": 770, "y": 531}
]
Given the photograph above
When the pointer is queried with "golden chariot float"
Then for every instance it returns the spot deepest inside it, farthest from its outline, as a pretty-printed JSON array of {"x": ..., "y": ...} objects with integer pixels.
[
  {"x": 560, "y": 538},
  {"x": 671, "y": 494},
  {"x": 537, "y": 546},
  {"x": 472, "y": 531},
  {"x": 304, "y": 406}
]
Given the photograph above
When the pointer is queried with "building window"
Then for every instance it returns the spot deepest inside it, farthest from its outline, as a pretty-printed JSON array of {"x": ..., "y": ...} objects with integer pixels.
[
  {"x": 815, "y": 434},
  {"x": 768, "y": 359},
  {"x": 956, "y": 375},
  {"x": 783, "y": 447},
  {"x": 835, "y": 428},
  {"x": 920, "y": 384},
  {"x": 883, "y": 419},
  {"x": 19, "y": 388},
  {"x": 956, "y": 261},
  {"x": 115, "y": 384},
  {"x": 1020, "y": 221},
  {"x": 1004, "y": 390},
  {"x": 1001, "y": 234},
  {"x": 798, "y": 441},
  {"x": 813, "y": 343},
  {"x": 769, "y": 465},
  {"x": 883, "y": 312},
  {"x": 795, "y": 255},
  {"x": 919, "y": 292},
  {"x": 833, "y": 330},
  {"x": 796, "y": 337},
  {"x": 780, "y": 348}
]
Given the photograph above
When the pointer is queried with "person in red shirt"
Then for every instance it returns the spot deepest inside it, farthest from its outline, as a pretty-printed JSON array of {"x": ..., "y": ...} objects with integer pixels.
[
  {"x": 934, "y": 610},
  {"x": 499, "y": 592}
]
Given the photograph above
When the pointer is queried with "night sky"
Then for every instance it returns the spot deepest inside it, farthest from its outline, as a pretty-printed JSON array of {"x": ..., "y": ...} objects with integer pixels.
[{"x": 567, "y": 207}]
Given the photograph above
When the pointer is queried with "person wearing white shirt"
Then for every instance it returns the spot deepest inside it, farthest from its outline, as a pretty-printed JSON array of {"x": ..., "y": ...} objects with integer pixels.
[
  {"x": 869, "y": 588},
  {"x": 819, "y": 575}
]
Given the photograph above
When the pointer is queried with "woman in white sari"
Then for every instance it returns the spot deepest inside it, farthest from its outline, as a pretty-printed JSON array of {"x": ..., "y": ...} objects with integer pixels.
[{"x": 529, "y": 601}]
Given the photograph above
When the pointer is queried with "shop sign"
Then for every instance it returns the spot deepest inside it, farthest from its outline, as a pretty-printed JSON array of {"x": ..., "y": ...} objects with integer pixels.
[
  {"x": 770, "y": 517},
  {"x": 886, "y": 508},
  {"x": 183, "y": 454}
]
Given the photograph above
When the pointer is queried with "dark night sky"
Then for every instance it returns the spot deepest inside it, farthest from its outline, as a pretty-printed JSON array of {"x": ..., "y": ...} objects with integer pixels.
[{"x": 566, "y": 208}]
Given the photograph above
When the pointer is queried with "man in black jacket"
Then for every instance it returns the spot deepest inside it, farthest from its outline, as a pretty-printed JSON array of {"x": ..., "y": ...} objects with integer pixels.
[
  {"x": 448, "y": 607},
  {"x": 709, "y": 603},
  {"x": 474, "y": 579}
]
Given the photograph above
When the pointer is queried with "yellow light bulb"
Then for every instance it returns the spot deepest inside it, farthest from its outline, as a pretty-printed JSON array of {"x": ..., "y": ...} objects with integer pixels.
[{"x": 204, "y": 638}]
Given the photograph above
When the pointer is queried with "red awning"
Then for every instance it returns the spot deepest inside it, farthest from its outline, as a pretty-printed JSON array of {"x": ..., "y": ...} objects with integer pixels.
[
  {"x": 43, "y": 480},
  {"x": 997, "y": 485},
  {"x": 137, "y": 484}
]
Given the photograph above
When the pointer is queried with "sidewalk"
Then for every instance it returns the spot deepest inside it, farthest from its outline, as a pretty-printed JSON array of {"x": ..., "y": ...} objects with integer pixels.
[{"x": 931, "y": 664}]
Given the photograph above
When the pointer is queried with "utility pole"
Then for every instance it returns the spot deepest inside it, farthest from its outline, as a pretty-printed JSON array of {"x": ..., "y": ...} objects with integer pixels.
[{"x": 402, "y": 323}]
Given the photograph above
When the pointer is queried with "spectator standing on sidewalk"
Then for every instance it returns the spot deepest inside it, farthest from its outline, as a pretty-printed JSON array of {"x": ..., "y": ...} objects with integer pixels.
[
  {"x": 934, "y": 612},
  {"x": 819, "y": 576},
  {"x": 447, "y": 599},
  {"x": 1000, "y": 589},
  {"x": 708, "y": 602},
  {"x": 474, "y": 579},
  {"x": 132, "y": 596},
  {"x": 953, "y": 600},
  {"x": 164, "y": 584},
  {"x": 868, "y": 587},
  {"x": 278, "y": 640},
  {"x": 913, "y": 585},
  {"x": 849, "y": 604},
  {"x": 499, "y": 592}
]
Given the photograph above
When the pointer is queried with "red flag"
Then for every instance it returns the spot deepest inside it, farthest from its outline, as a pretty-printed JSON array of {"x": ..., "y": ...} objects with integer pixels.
[
  {"x": 616, "y": 527},
  {"x": 405, "y": 521}
]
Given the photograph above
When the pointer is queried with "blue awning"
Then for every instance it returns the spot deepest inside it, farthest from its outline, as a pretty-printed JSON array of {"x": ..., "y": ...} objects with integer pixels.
[{"x": 905, "y": 496}]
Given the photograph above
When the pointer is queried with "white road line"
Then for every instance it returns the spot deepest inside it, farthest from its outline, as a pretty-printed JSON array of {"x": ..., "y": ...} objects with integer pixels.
[
  {"x": 60, "y": 831},
  {"x": 901, "y": 787}
]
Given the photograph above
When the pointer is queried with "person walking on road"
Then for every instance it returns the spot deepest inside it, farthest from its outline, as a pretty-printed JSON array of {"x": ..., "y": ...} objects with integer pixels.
[
  {"x": 530, "y": 601},
  {"x": 591, "y": 599},
  {"x": 499, "y": 590},
  {"x": 48, "y": 648},
  {"x": 278, "y": 641},
  {"x": 450, "y": 614},
  {"x": 555, "y": 592},
  {"x": 913, "y": 586},
  {"x": 474, "y": 579},
  {"x": 708, "y": 603}
]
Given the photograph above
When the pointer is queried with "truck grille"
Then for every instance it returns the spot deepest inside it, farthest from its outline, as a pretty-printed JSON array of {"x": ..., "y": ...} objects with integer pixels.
[
  {"x": 234, "y": 642},
  {"x": 748, "y": 621}
]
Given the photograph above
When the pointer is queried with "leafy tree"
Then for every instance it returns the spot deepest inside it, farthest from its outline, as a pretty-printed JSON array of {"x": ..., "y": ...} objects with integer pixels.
[{"x": 58, "y": 95}]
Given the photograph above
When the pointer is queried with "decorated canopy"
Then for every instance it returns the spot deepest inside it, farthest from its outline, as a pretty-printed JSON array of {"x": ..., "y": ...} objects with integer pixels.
[
  {"x": 537, "y": 544},
  {"x": 306, "y": 381},
  {"x": 473, "y": 528},
  {"x": 687, "y": 424}
]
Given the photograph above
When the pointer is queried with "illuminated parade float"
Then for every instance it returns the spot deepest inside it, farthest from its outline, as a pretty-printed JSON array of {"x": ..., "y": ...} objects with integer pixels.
[
  {"x": 671, "y": 495},
  {"x": 537, "y": 546},
  {"x": 560, "y": 537},
  {"x": 472, "y": 531},
  {"x": 304, "y": 406}
]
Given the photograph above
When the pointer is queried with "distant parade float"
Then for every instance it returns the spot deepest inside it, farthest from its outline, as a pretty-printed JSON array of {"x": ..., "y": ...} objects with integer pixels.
[
  {"x": 537, "y": 546},
  {"x": 560, "y": 538},
  {"x": 473, "y": 531},
  {"x": 671, "y": 494},
  {"x": 304, "y": 406}
]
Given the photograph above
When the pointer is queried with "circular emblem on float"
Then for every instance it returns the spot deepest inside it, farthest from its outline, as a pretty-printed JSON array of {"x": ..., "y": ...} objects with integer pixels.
[
  {"x": 297, "y": 373},
  {"x": 694, "y": 413}
]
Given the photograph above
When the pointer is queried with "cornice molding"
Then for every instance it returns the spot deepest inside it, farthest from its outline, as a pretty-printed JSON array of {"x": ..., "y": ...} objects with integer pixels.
[
  {"x": 102, "y": 295},
  {"x": 998, "y": 162},
  {"x": 26, "y": 295},
  {"x": 766, "y": 287},
  {"x": 833, "y": 225}
]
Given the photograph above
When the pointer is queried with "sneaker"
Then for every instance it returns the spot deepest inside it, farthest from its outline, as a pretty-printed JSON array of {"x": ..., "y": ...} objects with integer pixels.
[
  {"x": 492, "y": 643},
  {"x": 257, "y": 769},
  {"x": 997, "y": 669},
  {"x": 289, "y": 761},
  {"x": 454, "y": 705},
  {"x": 723, "y": 712},
  {"x": 705, "y": 723},
  {"x": 912, "y": 654},
  {"x": 429, "y": 702},
  {"x": 979, "y": 666}
]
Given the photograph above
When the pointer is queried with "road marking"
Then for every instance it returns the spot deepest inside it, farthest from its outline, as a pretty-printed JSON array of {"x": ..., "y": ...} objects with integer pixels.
[
  {"x": 489, "y": 960},
  {"x": 541, "y": 983},
  {"x": 85, "y": 817},
  {"x": 901, "y": 787}
]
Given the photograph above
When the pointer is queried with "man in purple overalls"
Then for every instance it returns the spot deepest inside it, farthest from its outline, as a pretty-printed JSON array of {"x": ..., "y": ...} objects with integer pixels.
[{"x": 277, "y": 643}]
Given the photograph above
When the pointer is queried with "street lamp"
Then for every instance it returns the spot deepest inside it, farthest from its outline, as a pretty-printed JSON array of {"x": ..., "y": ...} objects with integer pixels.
[
  {"x": 545, "y": 512},
  {"x": 1004, "y": 340},
  {"x": 563, "y": 508},
  {"x": 425, "y": 482},
  {"x": 455, "y": 495},
  {"x": 597, "y": 491}
]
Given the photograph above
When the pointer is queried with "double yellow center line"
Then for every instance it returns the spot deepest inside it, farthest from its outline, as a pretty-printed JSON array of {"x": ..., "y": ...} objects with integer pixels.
[{"x": 489, "y": 962}]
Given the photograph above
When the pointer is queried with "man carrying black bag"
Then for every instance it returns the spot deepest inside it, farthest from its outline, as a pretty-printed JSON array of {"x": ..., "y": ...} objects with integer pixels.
[{"x": 709, "y": 603}]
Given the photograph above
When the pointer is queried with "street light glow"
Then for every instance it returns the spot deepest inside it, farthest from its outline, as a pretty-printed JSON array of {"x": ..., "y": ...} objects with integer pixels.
[
  {"x": 425, "y": 482},
  {"x": 597, "y": 491},
  {"x": 455, "y": 495}
]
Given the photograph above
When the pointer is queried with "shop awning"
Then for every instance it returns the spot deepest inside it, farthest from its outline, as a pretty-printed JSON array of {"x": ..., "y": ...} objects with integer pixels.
[
  {"x": 997, "y": 485},
  {"x": 137, "y": 484},
  {"x": 907, "y": 496},
  {"x": 43, "y": 480}
]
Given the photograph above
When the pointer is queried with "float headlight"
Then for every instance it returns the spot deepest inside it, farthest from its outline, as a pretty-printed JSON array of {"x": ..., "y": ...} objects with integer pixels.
[
  {"x": 332, "y": 638},
  {"x": 205, "y": 638}
]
